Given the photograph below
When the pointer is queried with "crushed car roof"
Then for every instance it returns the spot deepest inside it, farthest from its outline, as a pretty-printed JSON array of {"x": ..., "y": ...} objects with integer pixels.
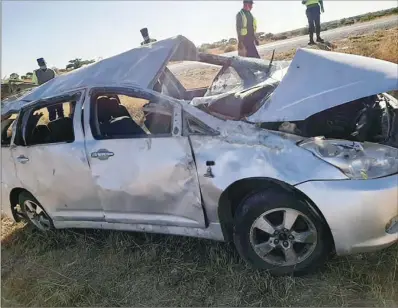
[
  {"x": 139, "y": 66},
  {"x": 317, "y": 80}
]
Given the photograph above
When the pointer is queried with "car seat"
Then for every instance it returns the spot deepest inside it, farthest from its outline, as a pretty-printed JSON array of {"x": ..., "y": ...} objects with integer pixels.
[
  {"x": 121, "y": 126},
  {"x": 61, "y": 130},
  {"x": 40, "y": 134}
]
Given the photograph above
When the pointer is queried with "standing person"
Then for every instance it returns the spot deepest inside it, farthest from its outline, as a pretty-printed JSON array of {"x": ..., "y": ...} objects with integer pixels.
[
  {"x": 314, "y": 8},
  {"x": 42, "y": 75},
  {"x": 246, "y": 27}
]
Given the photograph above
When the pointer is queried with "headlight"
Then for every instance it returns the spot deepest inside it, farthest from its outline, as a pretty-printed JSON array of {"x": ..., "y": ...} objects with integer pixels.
[{"x": 357, "y": 160}]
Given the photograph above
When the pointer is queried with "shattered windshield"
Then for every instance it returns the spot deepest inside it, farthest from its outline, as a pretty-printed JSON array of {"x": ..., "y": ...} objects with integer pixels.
[
  {"x": 227, "y": 81},
  {"x": 237, "y": 105}
]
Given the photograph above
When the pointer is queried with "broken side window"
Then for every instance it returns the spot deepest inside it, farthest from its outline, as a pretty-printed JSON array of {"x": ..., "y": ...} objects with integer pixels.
[
  {"x": 6, "y": 129},
  {"x": 194, "y": 75},
  {"x": 50, "y": 124},
  {"x": 227, "y": 81},
  {"x": 123, "y": 116}
]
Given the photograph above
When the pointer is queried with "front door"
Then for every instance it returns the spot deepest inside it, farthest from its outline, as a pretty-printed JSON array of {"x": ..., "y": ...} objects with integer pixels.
[
  {"x": 143, "y": 167},
  {"x": 51, "y": 161}
]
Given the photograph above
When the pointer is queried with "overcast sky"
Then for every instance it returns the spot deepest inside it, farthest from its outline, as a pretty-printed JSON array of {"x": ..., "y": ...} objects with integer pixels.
[{"x": 62, "y": 30}]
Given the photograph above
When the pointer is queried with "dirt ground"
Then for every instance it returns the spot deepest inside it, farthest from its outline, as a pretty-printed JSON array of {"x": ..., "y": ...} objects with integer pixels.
[
  {"x": 109, "y": 268},
  {"x": 378, "y": 44}
]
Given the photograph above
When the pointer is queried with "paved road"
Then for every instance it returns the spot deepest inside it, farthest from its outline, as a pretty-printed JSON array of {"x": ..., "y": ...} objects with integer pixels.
[{"x": 302, "y": 41}]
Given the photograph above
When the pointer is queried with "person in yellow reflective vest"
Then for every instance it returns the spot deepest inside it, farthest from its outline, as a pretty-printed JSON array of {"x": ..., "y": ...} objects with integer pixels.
[
  {"x": 314, "y": 8},
  {"x": 246, "y": 27}
]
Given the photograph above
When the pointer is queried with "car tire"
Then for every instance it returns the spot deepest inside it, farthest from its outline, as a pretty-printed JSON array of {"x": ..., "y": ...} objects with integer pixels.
[
  {"x": 266, "y": 237},
  {"x": 34, "y": 212}
]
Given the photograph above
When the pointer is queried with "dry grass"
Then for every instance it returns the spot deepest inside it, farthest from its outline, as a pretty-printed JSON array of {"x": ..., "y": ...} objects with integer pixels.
[
  {"x": 135, "y": 107},
  {"x": 230, "y": 48},
  {"x": 106, "y": 268},
  {"x": 382, "y": 44}
]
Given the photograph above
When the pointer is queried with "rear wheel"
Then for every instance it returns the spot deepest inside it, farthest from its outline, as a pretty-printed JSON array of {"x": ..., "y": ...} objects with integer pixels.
[
  {"x": 34, "y": 212},
  {"x": 277, "y": 232}
]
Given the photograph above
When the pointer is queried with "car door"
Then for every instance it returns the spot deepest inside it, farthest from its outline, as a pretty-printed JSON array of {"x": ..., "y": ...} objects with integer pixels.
[
  {"x": 9, "y": 179},
  {"x": 51, "y": 161},
  {"x": 143, "y": 168}
]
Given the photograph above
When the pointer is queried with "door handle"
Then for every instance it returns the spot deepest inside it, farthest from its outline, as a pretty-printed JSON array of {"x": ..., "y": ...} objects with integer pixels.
[
  {"x": 102, "y": 154},
  {"x": 22, "y": 159}
]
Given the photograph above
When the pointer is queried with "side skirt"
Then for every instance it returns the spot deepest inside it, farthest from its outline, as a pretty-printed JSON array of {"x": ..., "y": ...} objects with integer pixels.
[{"x": 212, "y": 232}]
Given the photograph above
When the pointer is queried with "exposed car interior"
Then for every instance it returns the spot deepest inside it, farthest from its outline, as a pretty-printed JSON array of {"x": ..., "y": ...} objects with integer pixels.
[
  {"x": 240, "y": 104},
  {"x": 120, "y": 115},
  {"x": 41, "y": 130},
  {"x": 372, "y": 119},
  {"x": 218, "y": 75},
  {"x": 114, "y": 119}
]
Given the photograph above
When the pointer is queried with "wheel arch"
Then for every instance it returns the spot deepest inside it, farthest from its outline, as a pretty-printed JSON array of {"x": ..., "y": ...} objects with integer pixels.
[
  {"x": 14, "y": 195},
  {"x": 238, "y": 191}
]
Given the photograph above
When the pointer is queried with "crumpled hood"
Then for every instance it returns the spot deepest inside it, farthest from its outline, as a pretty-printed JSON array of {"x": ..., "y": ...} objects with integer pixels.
[
  {"x": 139, "y": 66},
  {"x": 318, "y": 80}
]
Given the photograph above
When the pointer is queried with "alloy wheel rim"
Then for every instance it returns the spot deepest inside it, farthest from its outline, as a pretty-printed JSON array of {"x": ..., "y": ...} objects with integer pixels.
[
  {"x": 283, "y": 237},
  {"x": 37, "y": 216}
]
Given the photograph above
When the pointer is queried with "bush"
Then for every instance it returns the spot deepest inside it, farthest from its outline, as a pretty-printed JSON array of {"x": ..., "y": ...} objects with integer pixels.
[
  {"x": 279, "y": 37},
  {"x": 269, "y": 36},
  {"x": 366, "y": 18},
  {"x": 230, "y": 48},
  {"x": 304, "y": 31},
  {"x": 349, "y": 22}
]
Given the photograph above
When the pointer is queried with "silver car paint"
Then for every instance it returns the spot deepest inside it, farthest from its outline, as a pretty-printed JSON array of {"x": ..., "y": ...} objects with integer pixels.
[
  {"x": 59, "y": 177},
  {"x": 138, "y": 66},
  {"x": 213, "y": 231},
  {"x": 357, "y": 211},
  {"x": 9, "y": 179},
  {"x": 243, "y": 151},
  {"x": 338, "y": 79},
  {"x": 71, "y": 195},
  {"x": 148, "y": 180}
]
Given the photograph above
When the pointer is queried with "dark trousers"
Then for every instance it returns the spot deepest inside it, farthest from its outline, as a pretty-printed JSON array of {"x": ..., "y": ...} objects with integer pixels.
[
  {"x": 53, "y": 111},
  {"x": 314, "y": 20},
  {"x": 251, "y": 49}
]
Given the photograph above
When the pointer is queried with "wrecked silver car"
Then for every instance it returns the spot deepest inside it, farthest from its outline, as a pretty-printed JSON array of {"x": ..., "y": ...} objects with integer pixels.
[{"x": 289, "y": 160}]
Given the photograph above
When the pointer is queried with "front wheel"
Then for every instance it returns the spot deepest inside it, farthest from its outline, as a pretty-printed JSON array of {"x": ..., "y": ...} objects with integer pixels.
[{"x": 277, "y": 232}]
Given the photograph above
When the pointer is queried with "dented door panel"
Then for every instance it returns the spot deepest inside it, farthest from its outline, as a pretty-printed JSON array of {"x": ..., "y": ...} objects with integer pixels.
[
  {"x": 59, "y": 177},
  {"x": 242, "y": 152},
  {"x": 147, "y": 181}
]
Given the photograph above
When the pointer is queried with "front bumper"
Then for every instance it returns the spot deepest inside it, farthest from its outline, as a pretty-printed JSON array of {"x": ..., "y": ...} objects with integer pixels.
[{"x": 362, "y": 214}]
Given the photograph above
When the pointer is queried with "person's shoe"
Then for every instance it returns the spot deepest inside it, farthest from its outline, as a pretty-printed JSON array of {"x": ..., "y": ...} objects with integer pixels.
[
  {"x": 320, "y": 40},
  {"x": 311, "y": 43}
]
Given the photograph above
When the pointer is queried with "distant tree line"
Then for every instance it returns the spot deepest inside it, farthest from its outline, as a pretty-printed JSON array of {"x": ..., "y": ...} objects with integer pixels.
[{"x": 72, "y": 65}]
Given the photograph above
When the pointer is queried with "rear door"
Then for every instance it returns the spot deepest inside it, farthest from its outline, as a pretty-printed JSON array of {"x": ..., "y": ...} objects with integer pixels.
[
  {"x": 143, "y": 168},
  {"x": 51, "y": 160}
]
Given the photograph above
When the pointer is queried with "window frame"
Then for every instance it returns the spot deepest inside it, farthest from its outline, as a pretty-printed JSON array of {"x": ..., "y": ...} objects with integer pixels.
[
  {"x": 176, "y": 117},
  {"x": 208, "y": 131},
  {"x": 27, "y": 111},
  {"x": 13, "y": 126}
]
